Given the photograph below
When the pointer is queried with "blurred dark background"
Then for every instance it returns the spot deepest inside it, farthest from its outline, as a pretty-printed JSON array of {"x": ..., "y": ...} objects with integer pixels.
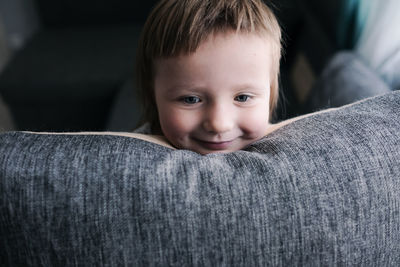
[{"x": 69, "y": 65}]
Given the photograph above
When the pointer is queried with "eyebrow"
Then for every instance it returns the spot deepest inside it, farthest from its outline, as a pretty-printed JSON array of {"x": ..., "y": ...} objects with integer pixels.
[
  {"x": 258, "y": 87},
  {"x": 174, "y": 89},
  {"x": 239, "y": 87}
]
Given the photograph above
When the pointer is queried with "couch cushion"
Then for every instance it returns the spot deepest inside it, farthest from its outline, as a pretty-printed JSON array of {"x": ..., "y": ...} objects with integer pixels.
[{"x": 323, "y": 190}]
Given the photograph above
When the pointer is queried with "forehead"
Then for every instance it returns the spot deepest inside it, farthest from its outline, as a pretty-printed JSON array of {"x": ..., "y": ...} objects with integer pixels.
[{"x": 223, "y": 59}]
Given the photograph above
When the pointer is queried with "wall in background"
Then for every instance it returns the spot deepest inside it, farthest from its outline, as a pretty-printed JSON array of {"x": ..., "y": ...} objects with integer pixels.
[
  {"x": 6, "y": 123},
  {"x": 4, "y": 50},
  {"x": 19, "y": 20}
]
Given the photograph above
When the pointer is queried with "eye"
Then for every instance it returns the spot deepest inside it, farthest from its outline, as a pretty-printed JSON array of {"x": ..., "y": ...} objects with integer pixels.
[
  {"x": 242, "y": 98},
  {"x": 191, "y": 100}
]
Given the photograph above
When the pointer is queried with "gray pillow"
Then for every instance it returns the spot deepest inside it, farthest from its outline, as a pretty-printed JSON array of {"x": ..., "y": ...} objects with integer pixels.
[{"x": 320, "y": 191}]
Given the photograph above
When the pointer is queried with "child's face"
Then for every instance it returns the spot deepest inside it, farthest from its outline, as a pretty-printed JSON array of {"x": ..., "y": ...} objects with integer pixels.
[{"x": 217, "y": 98}]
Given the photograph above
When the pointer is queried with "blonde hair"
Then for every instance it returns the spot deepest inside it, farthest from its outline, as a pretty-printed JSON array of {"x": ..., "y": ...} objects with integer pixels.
[{"x": 178, "y": 27}]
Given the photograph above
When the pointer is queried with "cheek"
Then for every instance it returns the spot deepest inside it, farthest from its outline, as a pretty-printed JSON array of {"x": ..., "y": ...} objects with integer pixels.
[
  {"x": 175, "y": 124},
  {"x": 172, "y": 120},
  {"x": 255, "y": 122}
]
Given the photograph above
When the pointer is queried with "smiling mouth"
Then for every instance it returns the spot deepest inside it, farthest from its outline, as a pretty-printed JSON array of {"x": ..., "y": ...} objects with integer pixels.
[{"x": 215, "y": 145}]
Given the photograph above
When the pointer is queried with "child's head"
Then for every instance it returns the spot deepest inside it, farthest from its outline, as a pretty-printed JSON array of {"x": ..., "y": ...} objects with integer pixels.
[{"x": 208, "y": 71}]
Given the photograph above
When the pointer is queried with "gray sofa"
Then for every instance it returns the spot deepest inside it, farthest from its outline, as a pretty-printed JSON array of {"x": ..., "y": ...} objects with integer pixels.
[{"x": 321, "y": 191}]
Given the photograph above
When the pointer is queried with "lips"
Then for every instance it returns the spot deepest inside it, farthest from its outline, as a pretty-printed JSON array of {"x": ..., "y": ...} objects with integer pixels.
[{"x": 215, "y": 145}]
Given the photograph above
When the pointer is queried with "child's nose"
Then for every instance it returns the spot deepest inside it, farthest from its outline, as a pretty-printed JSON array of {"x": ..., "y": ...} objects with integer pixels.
[{"x": 219, "y": 119}]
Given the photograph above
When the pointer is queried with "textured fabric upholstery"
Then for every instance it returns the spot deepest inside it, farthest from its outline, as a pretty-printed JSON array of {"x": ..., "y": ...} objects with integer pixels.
[{"x": 321, "y": 191}]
